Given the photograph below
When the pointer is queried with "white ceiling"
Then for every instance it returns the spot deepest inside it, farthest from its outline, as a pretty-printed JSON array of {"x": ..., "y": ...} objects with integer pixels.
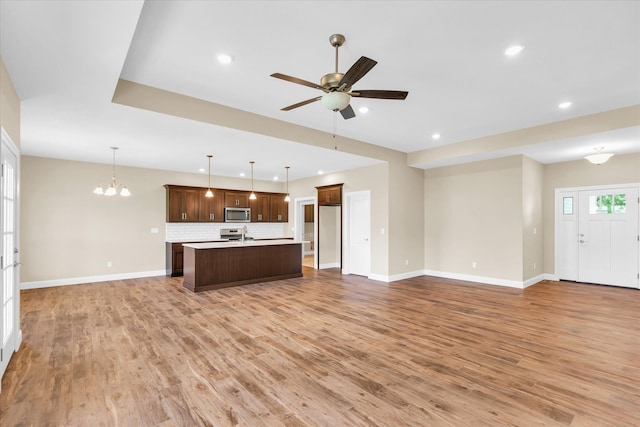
[{"x": 65, "y": 59}]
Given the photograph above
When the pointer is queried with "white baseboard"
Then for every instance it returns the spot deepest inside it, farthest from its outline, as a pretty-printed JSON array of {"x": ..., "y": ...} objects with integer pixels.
[
  {"x": 395, "y": 277},
  {"x": 329, "y": 265},
  {"x": 478, "y": 279},
  {"x": 90, "y": 279},
  {"x": 533, "y": 280}
]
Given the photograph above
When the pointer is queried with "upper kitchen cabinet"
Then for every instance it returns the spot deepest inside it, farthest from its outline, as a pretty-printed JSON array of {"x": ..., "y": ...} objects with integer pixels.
[
  {"x": 279, "y": 208},
  {"x": 330, "y": 195},
  {"x": 261, "y": 208},
  {"x": 182, "y": 203},
  {"x": 212, "y": 208},
  {"x": 237, "y": 199}
]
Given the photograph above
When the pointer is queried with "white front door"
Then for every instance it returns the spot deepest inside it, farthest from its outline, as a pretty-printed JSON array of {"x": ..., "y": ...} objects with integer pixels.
[
  {"x": 359, "y": 233},
  {"x": 9, "y": 296},
  {"x": 608, "y": 237}
]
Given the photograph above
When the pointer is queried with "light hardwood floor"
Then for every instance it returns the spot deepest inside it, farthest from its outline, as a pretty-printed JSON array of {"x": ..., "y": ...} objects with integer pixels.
[{"x": 326, "y": 350}]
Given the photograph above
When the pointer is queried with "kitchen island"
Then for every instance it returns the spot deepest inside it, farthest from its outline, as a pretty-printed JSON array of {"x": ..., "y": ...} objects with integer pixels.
[{"x": 217, "y": 265}]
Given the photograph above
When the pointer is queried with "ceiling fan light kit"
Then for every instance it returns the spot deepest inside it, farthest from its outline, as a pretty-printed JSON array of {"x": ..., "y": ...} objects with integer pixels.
[{"x": 337, "y": 86}]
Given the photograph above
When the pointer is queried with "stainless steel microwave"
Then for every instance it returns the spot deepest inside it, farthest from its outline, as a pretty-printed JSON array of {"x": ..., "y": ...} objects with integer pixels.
[{"x": 237, "y": 214}]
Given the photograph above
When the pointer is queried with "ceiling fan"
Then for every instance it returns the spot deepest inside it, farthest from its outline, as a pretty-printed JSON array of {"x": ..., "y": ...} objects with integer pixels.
[{"x": 337, "y": 86}]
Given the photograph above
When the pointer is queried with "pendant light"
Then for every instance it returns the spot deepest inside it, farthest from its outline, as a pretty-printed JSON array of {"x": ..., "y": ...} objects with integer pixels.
[
  {"x": 252, "y": 196},
  {"x": 209, "y": 193},
  {"x": 112, "y": 189},
  {"x": 600, "y": 157},
  {"x": 287, "y": 198}
]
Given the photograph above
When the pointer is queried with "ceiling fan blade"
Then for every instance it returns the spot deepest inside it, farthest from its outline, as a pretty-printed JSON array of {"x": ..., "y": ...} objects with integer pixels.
[
  {"x": 300, "y": 104},
  {"x": 298, "y": 81},
  {"x": 347, "y": 112},
  {"x": 380, "y": 94},
  {"x": 357, "y": 71}
]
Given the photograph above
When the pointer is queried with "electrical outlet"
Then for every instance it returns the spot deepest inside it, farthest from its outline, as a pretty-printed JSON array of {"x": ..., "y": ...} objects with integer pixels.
[
  {"x": 109, "y": 264},
  {"x": 473, "y": 264},
  {"x": 534, "y": 266},
  {"x": 154, "y": 231},
  {"x": 406, "y": 262},
  {"x": 382, "y": 231}
]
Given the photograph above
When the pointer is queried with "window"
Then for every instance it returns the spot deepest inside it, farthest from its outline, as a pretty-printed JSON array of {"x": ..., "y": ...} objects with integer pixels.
[
  {"x": 608, "y": 204},
  {"x": 567, "y": 205}
]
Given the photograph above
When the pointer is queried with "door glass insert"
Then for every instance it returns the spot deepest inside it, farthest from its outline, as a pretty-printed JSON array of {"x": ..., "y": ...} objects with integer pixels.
[{"x": 608, "y": 204}]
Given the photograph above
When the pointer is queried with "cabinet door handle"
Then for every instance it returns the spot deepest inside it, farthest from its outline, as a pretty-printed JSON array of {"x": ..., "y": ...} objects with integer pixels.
[{"x": 279, "y": 217}]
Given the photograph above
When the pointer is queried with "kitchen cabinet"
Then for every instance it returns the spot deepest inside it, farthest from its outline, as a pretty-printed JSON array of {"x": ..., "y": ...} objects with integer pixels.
[
  {"x": 330, "y": 195},
  {"x": 174, "y": 259},
  {"x": 279, "y": 208},
  {"x": 182, "y": 203},
  {"x": 236, "y": 199},
  {"x": 261, "y": 208},
  {"x": 308, "y": 213},
  {"x": 212, "y": 208}
]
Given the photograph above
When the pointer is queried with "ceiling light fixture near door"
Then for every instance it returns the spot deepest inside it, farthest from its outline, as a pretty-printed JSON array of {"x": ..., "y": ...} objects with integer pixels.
[
  {"x": 252, "y": 196},
  {"x": 600, "y": 157},
  {"x": 112, "y": 189},
  {"x": 287, "y": 198},
  {"x": 209, "y": 193}
]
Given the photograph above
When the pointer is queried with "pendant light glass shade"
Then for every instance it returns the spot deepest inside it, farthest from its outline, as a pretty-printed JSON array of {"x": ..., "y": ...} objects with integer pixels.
[
  {"x": 252, "y": 196},
  {"x": 112, "y": 189},
  {"x": 600, "y": 157},
  {"x": 209, "y": 193},
  {"x": 287, "y": 198}
]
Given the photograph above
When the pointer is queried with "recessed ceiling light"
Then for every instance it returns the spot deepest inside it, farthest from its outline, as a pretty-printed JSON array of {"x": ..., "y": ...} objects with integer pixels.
[
  {"x": 320, "y": 172},
  {"x": 565, "y": 105},
  {"x": 201, "y": 170},
  {"x": 514, "y": 50},
  {"x": 275, "y": 178},
  {"x": 223, "y": 58},
  {"x": 241, "y": 173},
  {"x": 363, "y": 110},
  {"x": 435, "y": 136}
]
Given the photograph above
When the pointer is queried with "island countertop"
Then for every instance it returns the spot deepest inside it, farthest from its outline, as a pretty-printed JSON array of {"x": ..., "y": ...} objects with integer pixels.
[{"x": 239, "y": 244}]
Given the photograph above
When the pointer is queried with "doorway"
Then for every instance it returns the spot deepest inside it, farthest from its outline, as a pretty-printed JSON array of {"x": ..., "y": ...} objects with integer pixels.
[
  {"x": 10, "y": 336},
  {"x": 305, "y": 229},
  {"x": 597, "y": 239}
]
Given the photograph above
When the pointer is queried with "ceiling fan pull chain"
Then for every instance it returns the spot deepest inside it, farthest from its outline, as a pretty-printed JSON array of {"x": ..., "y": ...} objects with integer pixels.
[{"x": 335, "y": 130}]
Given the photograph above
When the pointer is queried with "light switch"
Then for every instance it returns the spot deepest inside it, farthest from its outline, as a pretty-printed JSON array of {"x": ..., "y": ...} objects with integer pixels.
[{"x": 154, "y": 231}]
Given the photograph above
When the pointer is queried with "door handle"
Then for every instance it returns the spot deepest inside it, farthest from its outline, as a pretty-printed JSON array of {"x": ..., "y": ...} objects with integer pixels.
[{"x": 17, "y": 264}]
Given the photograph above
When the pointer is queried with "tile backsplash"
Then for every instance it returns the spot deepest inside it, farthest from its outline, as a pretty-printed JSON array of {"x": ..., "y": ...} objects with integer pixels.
[{"x": 199, "y": 231}]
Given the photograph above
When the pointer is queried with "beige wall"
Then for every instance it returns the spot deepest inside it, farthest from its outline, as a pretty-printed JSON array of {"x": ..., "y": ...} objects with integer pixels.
[
  {"x": 9, "y": 106},
  {"x": 473, "y": 213},
  {"x": 620, "y": 169},
  {"x": 532, "y": 225},
  {"x": 69, "y": 232},
  {"x": 372, "y": 178}
]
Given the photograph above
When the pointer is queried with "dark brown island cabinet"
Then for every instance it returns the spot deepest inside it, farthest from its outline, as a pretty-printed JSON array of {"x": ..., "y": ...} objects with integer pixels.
[{"x": 220, "y": 265}]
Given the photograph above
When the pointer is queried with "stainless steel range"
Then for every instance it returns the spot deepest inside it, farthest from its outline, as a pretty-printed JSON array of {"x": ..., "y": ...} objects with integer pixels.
[{"x": 236, "y": 233}]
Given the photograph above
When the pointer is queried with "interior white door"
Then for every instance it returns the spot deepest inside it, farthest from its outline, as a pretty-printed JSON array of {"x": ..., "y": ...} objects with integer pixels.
[
  {"x": 608, "y": 237},
  {"x": 359, "y": 234},
  {"x": 8, "y": 260}
]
